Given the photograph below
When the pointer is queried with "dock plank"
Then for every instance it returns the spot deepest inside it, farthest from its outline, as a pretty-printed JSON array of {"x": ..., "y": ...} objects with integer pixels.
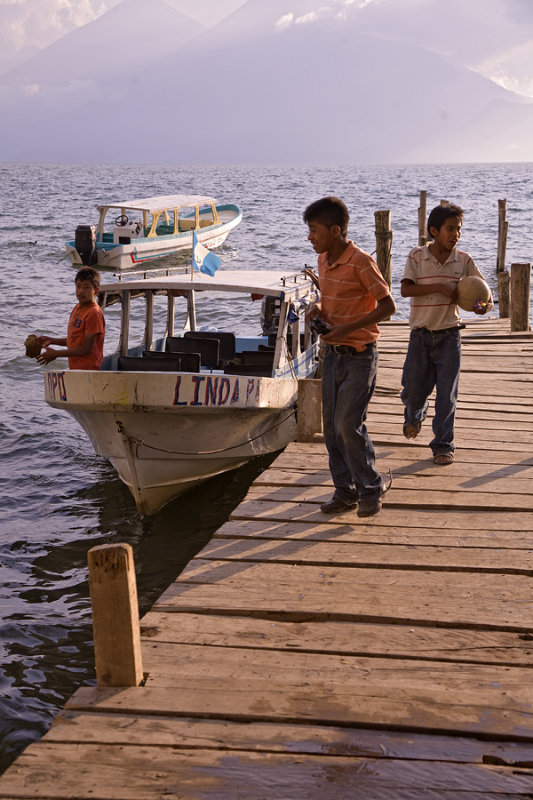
[
  {"x": 343, "y": 638},
  {"x": 329, "y": 530},
  {"x": 363, "y": 594},
  {"x": 469, "y": 559},
  {"x": 143, "y": 773},
  {"x": 271, "y": 686}
]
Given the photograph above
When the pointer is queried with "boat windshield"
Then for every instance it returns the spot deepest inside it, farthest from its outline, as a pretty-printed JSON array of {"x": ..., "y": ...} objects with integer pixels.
[{"x": 160, "y": 222}]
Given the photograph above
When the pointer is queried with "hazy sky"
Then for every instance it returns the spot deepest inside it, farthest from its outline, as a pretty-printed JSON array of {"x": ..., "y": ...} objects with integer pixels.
[{"x": 27, "y": 26}]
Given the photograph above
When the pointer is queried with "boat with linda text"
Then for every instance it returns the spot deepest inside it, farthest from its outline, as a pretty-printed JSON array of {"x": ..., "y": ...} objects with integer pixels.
[
  {"x": 133, "y": 232},
  {"x": 217, "y": 388}
]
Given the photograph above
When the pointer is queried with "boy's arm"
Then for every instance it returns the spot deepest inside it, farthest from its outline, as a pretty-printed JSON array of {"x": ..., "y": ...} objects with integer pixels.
[
  {"x": 384, "y": 308},
  {"x": 82, "y": 350},
  {"x": 48, "y": 340},
  {"x": 312, "y": 276},
  {"x": 411, "y": 289}
]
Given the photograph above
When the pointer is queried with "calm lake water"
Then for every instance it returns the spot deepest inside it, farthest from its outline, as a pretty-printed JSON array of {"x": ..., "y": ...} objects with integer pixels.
[{"x": 58, "y": 498}]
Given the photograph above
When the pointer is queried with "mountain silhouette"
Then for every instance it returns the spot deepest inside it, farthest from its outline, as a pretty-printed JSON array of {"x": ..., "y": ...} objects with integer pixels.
[{"x": 264, "y": 86}]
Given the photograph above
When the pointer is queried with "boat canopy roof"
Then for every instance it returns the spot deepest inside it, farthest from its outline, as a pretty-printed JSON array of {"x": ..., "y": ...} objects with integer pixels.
[
  {"x": 273, "y": 283},
  {"x": 160, "y": 203}
]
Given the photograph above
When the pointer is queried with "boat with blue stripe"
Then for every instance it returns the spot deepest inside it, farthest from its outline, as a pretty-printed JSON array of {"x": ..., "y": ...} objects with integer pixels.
[{"x": 134, "y": 232}]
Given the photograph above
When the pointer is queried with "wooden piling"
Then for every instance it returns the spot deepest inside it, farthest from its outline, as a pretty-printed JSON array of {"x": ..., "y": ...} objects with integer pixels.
[
  {"x": 520, "y": 283},
  {"x": 309, "y": 409},
  {"x": 384, "y": 243},
  {"x": 422, "y": 219},
  {"x": 117, "y": 647},
  {"x": 503, "y": 293},
  {"x": 503, "y": 227}
]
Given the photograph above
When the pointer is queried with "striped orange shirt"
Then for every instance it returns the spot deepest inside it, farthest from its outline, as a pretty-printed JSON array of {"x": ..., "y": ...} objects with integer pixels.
[{"x": 349, "y": 290}]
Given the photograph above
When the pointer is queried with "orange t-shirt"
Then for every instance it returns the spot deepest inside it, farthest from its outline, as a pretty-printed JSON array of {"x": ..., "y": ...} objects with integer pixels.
[
  {"x": 84, "y": 322},
  {"x": 349, "y": 290}
]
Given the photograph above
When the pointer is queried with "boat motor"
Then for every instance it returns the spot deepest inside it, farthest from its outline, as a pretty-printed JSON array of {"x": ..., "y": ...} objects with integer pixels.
[{"x": 85, "y": 243}]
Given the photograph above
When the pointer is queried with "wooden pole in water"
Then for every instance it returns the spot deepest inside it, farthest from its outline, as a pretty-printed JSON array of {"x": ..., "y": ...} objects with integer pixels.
[
  {"x": 117, "y": 644},
  {"x": 503, "y": 293},
  {"x": 520, "y": 283},
  {"x": 422, "y": 219},
  {"x": 503, "y": 227},
  {"x": 383, "y": 244},
  {"x": 309, "y": 408}
]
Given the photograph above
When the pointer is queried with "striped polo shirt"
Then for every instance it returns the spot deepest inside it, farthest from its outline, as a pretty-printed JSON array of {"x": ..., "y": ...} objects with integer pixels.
[
  {"x": 349, "y": 290},
  {"x": 436, "y": 311}
]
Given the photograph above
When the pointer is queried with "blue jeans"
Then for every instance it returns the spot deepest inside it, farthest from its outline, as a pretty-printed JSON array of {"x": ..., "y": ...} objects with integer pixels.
[
  {"x": 433, "y": 360},
  {"x": 348, "y": 381}
]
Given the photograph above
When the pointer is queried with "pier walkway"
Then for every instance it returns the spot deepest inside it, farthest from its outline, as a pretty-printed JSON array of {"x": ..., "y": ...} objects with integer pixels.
[{"x": 299, "y": 656}]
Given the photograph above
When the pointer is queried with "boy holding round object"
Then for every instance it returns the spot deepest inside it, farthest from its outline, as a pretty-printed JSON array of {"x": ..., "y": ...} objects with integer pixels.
[
  {"x": 84, "y": 341},
  {"x": 433, "y": 359},
  {"x": 354, "y": 297}
]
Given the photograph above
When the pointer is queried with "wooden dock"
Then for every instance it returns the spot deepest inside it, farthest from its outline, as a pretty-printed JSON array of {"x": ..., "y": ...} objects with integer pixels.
[{"x": 299, "y": 656}]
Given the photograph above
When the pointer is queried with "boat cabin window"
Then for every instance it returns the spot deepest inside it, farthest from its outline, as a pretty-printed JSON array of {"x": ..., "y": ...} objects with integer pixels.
[{"x": 147, "y": 315}]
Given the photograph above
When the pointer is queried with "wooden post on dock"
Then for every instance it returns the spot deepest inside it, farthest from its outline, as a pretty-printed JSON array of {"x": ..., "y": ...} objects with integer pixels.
[
  {"x": 503, "y": 227},
  {"x": 503, "y": 293},
  {"x": 117, "y": 645},
  {"x": 384, "y": 244},
  {"x": 520, "y": 282},
  {"x": 422, "y": 219},
  {"x": 309, "y": 408}
]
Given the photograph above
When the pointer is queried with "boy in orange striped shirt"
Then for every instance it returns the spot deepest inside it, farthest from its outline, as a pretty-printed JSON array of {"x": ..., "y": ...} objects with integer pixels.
[{"x": 354, "y": 297}]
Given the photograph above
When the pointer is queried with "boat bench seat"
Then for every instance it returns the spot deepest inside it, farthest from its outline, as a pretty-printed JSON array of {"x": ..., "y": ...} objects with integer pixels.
[
  {"x": 189, "y": 362},
  {"x": 254, "y": 370},
  {"x": 260, "y": 358},
  {"x": 190, "y": 224},
  {"x": 207, "y": 348},
  {"x": 227, "y": 344},
  {"x": 148, "y": 364}
]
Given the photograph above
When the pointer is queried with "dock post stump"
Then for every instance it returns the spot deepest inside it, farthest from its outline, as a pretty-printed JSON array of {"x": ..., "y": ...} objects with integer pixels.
[
  {"x": 503, "y": 228},
  {"x": 422, "y": 219},
  {"x": 384, "y": 244},
  {"x": 503, "y": 293},
  {"x": 520, "y": 282},
  {"x": 113, "y": 588},
  {"x": 309, "y": 408}
]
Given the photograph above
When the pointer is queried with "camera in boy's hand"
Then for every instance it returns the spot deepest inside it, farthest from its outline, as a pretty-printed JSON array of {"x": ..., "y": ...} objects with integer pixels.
[{"x": 320, "y": 327}]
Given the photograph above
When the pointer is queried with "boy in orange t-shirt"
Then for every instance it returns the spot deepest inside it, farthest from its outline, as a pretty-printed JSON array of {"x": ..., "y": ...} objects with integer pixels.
[
  {"x": 86, "y": 327},
  {"x": 354, "y": 298}
]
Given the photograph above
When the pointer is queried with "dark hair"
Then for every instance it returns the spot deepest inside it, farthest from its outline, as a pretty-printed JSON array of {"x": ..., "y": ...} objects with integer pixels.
[
  {"x": 89, "y": 274},
  {"x": 328, "y": 211},
  {"x": 440, "y": 214}
]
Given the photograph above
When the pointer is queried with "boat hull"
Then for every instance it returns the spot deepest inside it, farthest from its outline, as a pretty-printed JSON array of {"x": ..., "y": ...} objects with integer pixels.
[
  {"x": 111, "y": 256},
  {"x": 165, "y": 433}
]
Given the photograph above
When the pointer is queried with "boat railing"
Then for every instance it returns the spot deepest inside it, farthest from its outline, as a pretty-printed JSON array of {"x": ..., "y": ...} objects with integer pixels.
[{"x": 153, "y": 272}]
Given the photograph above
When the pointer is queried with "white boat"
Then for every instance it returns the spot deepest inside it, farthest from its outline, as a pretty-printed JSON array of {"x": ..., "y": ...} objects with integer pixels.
[
  {"x": 133, "y": 232},
  {"x": 173, "y": 411}
]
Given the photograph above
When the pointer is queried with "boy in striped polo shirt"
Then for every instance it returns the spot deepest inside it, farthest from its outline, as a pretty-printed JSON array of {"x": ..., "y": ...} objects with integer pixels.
[
  {"x": 433, "y": 357},
  {"x": 354, "y": 297}
]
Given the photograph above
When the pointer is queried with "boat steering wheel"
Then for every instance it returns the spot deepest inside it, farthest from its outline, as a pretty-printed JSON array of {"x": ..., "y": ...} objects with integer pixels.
[{"x": 121, "y": 220}]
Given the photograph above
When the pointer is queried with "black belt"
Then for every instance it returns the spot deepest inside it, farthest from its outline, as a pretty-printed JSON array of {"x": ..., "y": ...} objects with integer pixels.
[
  {"x": 346, "y": 349},
  {"x": 442, "y": 330}
]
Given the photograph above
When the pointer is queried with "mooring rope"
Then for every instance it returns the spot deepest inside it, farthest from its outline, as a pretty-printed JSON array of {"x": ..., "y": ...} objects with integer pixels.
[{"x": 136, "y": 441}]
